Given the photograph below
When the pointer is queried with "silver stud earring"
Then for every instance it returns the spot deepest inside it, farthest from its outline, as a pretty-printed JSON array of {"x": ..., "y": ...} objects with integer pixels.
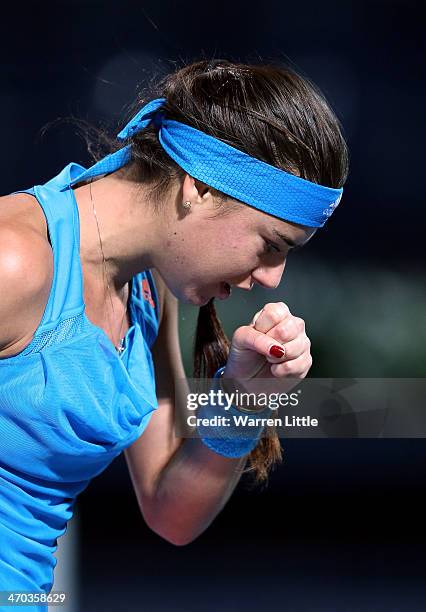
[{"x": 186, "y": 205}]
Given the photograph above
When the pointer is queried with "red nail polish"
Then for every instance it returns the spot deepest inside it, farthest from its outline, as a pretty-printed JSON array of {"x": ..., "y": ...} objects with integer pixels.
[{"x": 276, "y": 351}]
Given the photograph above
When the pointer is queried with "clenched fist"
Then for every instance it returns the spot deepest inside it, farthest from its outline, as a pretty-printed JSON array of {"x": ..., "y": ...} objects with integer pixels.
[{"x": 274, "y": 344}]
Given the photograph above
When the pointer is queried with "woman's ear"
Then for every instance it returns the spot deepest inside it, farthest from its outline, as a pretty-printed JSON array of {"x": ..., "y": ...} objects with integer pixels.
[
  {"x": 202, "y": 188},
  {"x": 194, "y": 190}
]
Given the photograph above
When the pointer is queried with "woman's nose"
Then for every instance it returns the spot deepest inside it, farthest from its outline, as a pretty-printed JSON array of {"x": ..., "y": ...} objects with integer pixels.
[
  {"x": 268, "y": 276},
  {"x": 247, "y": 283}
]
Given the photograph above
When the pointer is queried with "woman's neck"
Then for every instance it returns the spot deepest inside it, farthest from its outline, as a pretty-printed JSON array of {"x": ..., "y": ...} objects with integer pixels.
[{"x": 128, "y": 229}]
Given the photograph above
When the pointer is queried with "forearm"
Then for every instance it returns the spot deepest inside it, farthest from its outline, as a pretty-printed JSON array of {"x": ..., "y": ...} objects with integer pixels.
[{"x": 191, "y": 490}]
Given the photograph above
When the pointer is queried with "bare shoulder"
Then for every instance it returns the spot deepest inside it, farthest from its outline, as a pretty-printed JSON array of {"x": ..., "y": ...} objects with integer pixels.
[
  {"x": 22, "y": 209},
  {"x": 26, "y": 272}
]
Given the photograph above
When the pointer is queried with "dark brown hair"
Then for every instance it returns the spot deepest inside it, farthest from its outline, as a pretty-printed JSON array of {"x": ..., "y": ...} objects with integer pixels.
[{"x": 265, "y": 110}]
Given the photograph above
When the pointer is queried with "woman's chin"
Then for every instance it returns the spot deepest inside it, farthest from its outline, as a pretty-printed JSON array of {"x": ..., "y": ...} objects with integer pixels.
[
  {"x": 194, "y": 299},
  {"x": 200, "y": 299}
]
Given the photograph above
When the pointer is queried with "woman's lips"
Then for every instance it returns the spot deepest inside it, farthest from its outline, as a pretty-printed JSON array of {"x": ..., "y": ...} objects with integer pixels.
[{"x": 225, "y": 291}]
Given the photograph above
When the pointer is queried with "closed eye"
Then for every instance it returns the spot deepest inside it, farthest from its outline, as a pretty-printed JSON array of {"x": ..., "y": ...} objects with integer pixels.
[
  {"x": 273, "y": 248},
  {"x": 270, "y": 247}
]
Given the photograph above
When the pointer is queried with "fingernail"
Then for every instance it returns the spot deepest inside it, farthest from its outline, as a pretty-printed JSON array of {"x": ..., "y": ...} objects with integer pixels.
[{"x": 276, "y": 351}]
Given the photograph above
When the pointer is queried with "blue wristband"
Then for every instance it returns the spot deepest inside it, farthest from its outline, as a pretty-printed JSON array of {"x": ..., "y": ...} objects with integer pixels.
[{"x": 231, "y": 438}]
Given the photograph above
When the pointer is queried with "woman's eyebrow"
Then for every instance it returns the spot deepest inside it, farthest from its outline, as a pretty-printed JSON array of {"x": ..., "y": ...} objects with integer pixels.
[{"x": 289, "y": 241}]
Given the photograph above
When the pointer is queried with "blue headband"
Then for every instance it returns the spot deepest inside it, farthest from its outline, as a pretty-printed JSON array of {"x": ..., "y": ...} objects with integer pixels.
[{"x": 227, "y": 169}]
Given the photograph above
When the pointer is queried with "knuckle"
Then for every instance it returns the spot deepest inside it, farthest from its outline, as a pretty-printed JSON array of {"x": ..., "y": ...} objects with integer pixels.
[
  {"x": 281, "y": 329},
  {"x": 277, "y": 310},
  {"x": 287, "y": 367},
  {"x": 290, "y": 326},
  {"x": 239, "y": 331},
  {"x": 300, "y": 323},
  {"x": 240, "y": 334},
  {"x": 283, "y": 309}
]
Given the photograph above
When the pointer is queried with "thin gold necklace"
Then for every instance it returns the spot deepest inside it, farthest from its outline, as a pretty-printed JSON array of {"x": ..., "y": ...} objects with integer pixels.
[{"x": 120, "y": 346}]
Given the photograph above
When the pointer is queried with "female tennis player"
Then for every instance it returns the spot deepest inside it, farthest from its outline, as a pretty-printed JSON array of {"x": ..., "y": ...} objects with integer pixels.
[{"x": 210, "y": 185}]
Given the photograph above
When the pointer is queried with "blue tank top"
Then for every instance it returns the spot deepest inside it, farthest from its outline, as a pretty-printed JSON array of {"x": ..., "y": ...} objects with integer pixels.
[{"x": 69, "y": 402}]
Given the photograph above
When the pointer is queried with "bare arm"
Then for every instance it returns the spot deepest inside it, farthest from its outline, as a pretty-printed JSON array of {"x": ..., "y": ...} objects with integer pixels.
[{"x": 180, "y": 484}]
